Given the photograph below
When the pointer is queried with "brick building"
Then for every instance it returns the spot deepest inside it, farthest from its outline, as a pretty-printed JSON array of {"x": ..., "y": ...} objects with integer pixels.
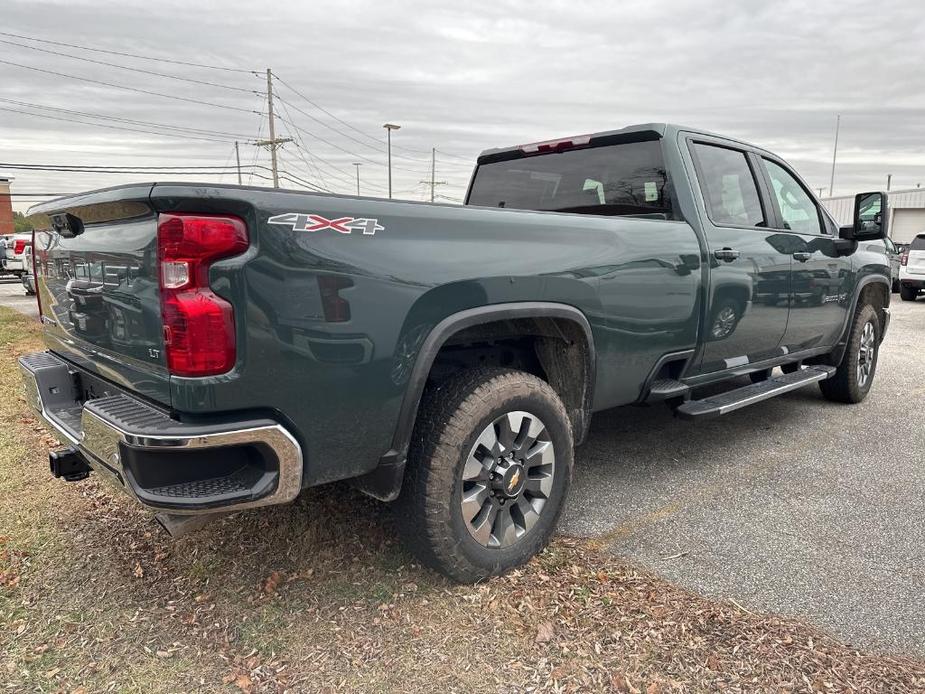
[{"x": 6, "y": 207}]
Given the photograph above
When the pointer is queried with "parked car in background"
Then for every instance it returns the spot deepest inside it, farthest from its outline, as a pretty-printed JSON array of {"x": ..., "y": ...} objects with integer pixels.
[
  {"x": 912, "y": 269},
  {"x": 15, "y": 255},
  {"x": 895, "y": 256}
]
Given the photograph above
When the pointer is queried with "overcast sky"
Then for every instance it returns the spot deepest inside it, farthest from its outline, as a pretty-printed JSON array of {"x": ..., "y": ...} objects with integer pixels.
[{"x": 461, "y": 77}]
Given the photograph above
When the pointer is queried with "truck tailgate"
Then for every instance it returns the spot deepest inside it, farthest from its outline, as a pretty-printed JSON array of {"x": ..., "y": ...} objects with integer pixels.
[{"x": 97, "y": 282}]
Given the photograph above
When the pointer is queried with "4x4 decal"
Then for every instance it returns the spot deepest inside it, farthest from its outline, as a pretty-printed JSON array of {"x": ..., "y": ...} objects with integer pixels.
[{"x": 315, "y": 222}]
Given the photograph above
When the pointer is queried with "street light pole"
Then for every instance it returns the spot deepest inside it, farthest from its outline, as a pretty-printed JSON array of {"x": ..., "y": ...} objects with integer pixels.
[
  {"x": 834, "y": 155},
  {"x": 389, "y": 127},
  {"x": 358, "y": 165}
]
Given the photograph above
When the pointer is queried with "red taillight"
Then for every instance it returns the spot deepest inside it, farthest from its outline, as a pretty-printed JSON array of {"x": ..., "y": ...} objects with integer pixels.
[
  {"x": 19, "y": 245},
  {"x": 199, "y": 335},
  {"x": 905, "y": 259}
]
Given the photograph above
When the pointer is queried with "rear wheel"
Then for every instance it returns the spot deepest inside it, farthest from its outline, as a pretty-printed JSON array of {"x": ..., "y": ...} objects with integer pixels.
[
  {"x": 855, "y": 374},
  {"x": 908, "y": 293},
  {"x": 488, "y": 472}
]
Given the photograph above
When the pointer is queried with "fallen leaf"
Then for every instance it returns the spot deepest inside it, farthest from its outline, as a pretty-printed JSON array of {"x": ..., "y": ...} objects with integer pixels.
[
  {"x": 544, "y": 633},
  {"x": 271, "y": 582},
  {"x": 244, "y": 683},
  {"x": 139, "y": 572}
]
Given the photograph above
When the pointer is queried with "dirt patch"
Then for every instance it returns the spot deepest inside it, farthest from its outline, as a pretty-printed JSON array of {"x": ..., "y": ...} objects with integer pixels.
[{"x": 317, "y": 596}]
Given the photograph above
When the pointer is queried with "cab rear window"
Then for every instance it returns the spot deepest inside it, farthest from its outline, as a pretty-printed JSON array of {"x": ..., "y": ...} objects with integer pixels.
[
  {"x": 617, "y": 179},
  {"x": 918, "y": 243}
]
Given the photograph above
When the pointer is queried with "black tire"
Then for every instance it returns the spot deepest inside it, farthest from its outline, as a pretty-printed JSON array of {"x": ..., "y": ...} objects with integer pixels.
[
  {"x": 845, "y": 386},
  {"x": 894, "y": 287},
  {"x": 908, "y": 293},
  {"x": 451, "y": 419},
  {"x": 760, "y": 376}
]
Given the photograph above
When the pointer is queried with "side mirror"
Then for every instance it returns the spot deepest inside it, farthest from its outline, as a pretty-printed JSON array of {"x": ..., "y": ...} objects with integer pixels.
[{"x": 868, "y": 224}]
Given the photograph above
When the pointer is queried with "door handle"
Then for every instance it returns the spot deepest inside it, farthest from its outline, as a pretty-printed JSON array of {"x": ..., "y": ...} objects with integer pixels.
[
  {"x": 802, "y": 256},
  {"x": 726, "y": 254}
]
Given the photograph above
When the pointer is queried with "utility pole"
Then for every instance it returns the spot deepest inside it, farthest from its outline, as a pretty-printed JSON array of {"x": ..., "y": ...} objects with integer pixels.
[
  {"x": 889, "y": 180},
  {"x": 820, "y": 191},
  {"x": 358, "y": 165},
  {"x": 237, "y": 156},
  {"x": 389, "y": 127},
  {"x": 274, "y": 142},
  {"x": 834, "y": 155},
  {"x": 433, "y": 183}
]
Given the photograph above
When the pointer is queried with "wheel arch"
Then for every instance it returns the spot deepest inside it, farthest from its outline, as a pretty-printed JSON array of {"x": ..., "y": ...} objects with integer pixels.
[
  {"x": 871, "y": 289},
  {"x": 384, "y": 482}
]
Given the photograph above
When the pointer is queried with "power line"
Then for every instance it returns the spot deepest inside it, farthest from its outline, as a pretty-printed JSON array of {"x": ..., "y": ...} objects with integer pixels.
[
  {"x": 300, "y": 147},
  {"x": 455, "y": 156},
  {"x": 120, "y": 119},
  {"x": 342, "y": 149},
  {"x": 129, "y": 55},
  {"x": 22, "y": 165},
  {"x": 113, "y": 127},
  {"x": 133, "y": 69},
  {"x": 353, "y": 127},
  {"x": 308, "y": 169},
  {"x": 150, "y": 170},
  {"x": 131, "y": 89},
  {"x": 331, "y": 127}
]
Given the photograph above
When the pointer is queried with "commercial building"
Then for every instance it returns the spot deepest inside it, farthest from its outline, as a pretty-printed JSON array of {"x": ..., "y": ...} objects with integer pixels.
[{"x": 6, "y": 207}]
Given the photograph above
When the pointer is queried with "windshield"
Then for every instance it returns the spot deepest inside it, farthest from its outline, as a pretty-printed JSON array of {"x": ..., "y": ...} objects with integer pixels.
[{"x": 621, "y": 179}]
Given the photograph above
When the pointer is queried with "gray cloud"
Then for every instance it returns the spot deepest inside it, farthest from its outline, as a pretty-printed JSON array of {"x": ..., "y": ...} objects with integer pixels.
[{"x": 474, "y": 76}]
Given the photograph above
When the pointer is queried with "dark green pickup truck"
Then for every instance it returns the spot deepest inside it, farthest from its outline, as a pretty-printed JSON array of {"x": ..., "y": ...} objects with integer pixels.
[{"x": 216, "y": 348}]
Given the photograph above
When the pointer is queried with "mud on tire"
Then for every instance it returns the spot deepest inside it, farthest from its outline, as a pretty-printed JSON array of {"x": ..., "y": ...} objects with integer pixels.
[{"x": 480, "y": 498}]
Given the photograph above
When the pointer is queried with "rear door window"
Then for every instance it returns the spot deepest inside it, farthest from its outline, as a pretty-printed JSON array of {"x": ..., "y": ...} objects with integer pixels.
[
  {"x": 918, "y": 243},
  {"x": 728, "y": 185}
]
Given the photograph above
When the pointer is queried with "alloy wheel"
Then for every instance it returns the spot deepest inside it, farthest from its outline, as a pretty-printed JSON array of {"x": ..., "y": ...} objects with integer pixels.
[
  {"x": 507, "y": 479},
  {"x": 867, "y": 352}
]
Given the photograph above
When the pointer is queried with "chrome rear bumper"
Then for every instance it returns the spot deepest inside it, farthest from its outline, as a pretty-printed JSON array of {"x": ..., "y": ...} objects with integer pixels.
[{"x": 165, "y": 464}]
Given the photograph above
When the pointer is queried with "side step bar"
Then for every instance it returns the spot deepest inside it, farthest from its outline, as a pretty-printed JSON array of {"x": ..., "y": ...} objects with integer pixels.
[{"x": 732, "y": 400}]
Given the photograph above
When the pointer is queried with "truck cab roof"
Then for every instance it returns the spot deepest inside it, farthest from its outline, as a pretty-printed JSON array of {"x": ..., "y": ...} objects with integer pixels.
[{"x": 630, "y": 133}]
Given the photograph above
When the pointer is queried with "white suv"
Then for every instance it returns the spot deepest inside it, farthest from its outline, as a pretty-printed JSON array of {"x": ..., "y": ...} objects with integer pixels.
[{"x": 912, "y": 269}]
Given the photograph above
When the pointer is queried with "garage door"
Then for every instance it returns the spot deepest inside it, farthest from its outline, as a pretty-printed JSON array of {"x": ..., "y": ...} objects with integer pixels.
[{"x": 906, "y": 224}]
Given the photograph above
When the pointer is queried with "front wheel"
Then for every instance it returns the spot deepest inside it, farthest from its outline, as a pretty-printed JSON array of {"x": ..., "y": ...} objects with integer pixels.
[
  {"x": 855, "y": 374},
  {"x": 488, "y": 473}
]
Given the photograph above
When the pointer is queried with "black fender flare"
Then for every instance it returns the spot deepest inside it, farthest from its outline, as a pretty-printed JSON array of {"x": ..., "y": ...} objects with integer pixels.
[
  {"x": 842, "y": 343},
  {"x": 384, "y": 482}
]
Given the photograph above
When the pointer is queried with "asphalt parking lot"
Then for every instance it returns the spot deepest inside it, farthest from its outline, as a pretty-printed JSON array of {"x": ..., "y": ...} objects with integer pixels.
[
  {"x": 796, "y": 506},
  {"x": 13, "y": 295}
]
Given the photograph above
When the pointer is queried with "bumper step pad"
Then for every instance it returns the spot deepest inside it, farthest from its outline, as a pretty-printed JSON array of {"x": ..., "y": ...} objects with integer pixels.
[{"x": 732, "y": 400}]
